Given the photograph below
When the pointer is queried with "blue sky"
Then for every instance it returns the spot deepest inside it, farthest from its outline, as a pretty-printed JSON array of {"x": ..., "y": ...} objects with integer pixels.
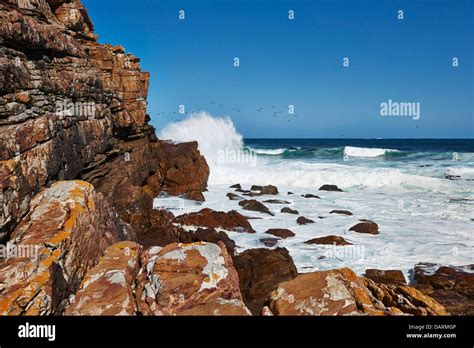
[{"x": 299, "y": 62}]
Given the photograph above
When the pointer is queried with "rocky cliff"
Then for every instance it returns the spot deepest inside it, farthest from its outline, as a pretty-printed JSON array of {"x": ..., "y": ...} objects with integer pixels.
[{"x": 71, "y": 108}]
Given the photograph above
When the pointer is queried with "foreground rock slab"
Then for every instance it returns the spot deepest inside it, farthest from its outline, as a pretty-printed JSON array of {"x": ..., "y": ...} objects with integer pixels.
[
  {"x": 108, "y": 288},
  {"x": 342, "y": 292},
  {"x": 452, "y": 286},
  {"x": 70, "y": 226},
  {"x": 260, "y": 272},
  {"x": 189, "y": 279}
]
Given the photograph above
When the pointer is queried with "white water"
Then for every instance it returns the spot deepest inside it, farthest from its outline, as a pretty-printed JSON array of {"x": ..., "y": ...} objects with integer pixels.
[
  {"x": 365, "y": 152},
  {"x": 422, "y": 218}
]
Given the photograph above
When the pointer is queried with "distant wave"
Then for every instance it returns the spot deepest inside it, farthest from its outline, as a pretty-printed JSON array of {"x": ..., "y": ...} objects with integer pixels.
[
  {"x": 367, "y": 152},
  {"x": 267, "y": 152}
]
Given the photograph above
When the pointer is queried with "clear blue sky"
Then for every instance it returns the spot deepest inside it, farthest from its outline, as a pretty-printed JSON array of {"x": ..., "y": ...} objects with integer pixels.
[{"x": 299, "y": 62}]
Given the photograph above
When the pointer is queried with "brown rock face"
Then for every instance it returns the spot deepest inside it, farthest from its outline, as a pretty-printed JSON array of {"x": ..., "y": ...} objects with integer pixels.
[
  {"x": 280, "y": 232},
  {"x": 71, "y": 108},
  {"x": 69, "y": 225},
  {"x": 189, "y": 279},
  {"x": 452, "y": 286},
  {"x": 107, "y": 288},
  {"x": 332, "y": 240},
  {"x": 260, "y": 272},
  {"x": 342, "y": 292},
  {"x": 232, "y": 220}
]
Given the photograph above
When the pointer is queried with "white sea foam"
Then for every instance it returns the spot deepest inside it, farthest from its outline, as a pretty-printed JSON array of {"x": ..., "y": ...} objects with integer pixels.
[
  {"x": 267, "y": 151},
  {"x": 352, "y": 151},
  {"x": 422, "y": 218},
  {"x": 213, "y": 134}
]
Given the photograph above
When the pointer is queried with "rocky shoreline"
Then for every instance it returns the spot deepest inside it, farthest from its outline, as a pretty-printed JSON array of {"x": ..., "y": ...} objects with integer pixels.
[{"x": 80, "y": 167}]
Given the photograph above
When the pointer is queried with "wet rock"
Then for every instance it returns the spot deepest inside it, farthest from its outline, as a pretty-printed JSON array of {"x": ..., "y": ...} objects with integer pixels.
[
  {"x": 290, "y": 193},
  {"x": 452, "y": 177},
  {"x": 280, "y": 232},
  {"x": 255, "y": 205},
  {"x": 189, "y": 279},
  {"x": 276, "y": 201},
  {"x": 385, "y": 276},
  {"x": 341, "y": 212},
  {"x": 332, "y": 240},
  {"x": 256, "y": 188},
  {"x": 309, "y": 195},
  {"x": 452, "y": 286},
  {"x": 69, "y": 226},
  {"x": 234, "y": 197},
  {"x": 260, "y": 271},
  {"x": 365, "y": 226},
  {"x": 330, "y": 188},
  {"x": 303, "y": 221},
  {"x": 236, "y": 186},
  {"x": 269, "y": 190},
  {"x": 289, "y": 211},
  {"x": 269, "y": 242},
  {"x": 232, "y": 220}
]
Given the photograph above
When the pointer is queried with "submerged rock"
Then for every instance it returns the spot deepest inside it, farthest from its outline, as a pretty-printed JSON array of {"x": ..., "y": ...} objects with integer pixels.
[
  {"x": 310, "y": 195},
  {"x": 234, "y": 197},
  {"x": 330, "y": 188},
  {"x": 289, "y": 211},
  {"x": 341, "y": 212},
  {"x": 332, "y": 240},
  {"x": 303, "y": 221}
]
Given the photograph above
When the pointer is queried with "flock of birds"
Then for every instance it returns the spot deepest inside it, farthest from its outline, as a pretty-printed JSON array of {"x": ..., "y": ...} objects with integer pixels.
[{"x": 261, "y": 109}]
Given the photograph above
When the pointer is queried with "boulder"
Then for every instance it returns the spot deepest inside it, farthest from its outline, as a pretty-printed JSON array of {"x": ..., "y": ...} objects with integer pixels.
[
  {"x": 280, "y": 232},
  {"x": 254, "y": 205},
  {"x": 331, "y": 240},
  {"x": 189, "y": 279},
  {"x": 330, "y": 188},
  {"x": 289, "y": 211},
  {"x": 260, "y": 271},
  {"x": 232, "y": 220},
  {"x": 236, "y": 186},
  {"x": 67, "y": 230},
  {"x": 256, "y": 188},
  {"x": 303, "y": 221},
  {"x": 365, "y": 226}
]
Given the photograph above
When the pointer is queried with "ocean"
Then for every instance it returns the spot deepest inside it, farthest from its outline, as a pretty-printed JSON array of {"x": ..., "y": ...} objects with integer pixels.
[{"x": 419, "y": 191}]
